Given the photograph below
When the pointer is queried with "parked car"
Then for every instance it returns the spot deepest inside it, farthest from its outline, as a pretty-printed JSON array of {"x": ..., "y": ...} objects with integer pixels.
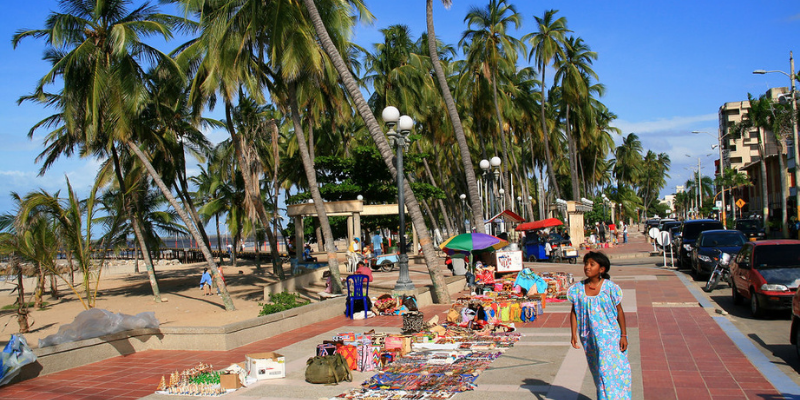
[
  {"x": 650, "y": 223},
  {"x": 752, "y": 228},
  {"x": 794, "y": 331},
  {"x": 705, "y": 254},
  {"x": 766, "y": 273},
  {"x": 690, "y": 230},
  {"x": 668, "y": 227}
]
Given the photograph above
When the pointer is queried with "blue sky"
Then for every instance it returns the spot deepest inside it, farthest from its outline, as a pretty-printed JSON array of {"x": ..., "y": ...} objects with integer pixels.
[{"x": 667, "y": 68}]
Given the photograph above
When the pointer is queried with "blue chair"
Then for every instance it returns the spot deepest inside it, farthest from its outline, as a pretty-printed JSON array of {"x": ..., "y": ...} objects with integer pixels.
[{"x": 357, "y": 290}]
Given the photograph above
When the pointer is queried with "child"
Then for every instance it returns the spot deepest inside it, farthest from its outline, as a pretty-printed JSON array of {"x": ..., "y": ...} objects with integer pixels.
[
  {"x": 205, "y": 283},
  {"x": 598, "y": 321}
]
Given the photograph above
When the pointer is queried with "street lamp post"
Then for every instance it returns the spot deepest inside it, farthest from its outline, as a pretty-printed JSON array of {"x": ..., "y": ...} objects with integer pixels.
[
  {"x": 488, "y": 196},
  {"x": 400, "y": 140},
  {"x": 463, "y": 198},
  {"x": 792, "y": 77},
  {"x": 605, "y": 199},
  {"x": 486, "y": 165},
  {"x": 721, "y": 174}
]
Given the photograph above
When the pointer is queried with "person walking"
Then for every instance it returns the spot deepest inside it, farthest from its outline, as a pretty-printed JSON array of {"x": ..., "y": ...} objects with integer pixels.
[
  {"x": 625, "y": 234},
  {"x": 597, "y": 322},
  {"x": 377, "y": 242}
]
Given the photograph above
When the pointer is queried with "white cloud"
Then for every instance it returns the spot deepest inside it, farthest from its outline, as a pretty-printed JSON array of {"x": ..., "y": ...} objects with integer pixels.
[{"x": 664, "y": 124}]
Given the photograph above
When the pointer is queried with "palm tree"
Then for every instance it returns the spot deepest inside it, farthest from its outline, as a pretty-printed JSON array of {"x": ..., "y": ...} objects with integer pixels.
[
  {"x": 756, "y": 118},
  {"x": 652, "y": 177},
  {"x": 439, "y": 289},
  {"x": 94, "y": 48},
  {"x": 75, "y": 220},
  {"x": 546, "y": 44},
  {"x": 458, "y": 128},
  {"x": 35, "y": 242},
  {"x": 627, "y": 164},
  {"x": 733, "y": 179},
  {"x": 490, "y": 49},
  {"x": 573, "y": 73}
]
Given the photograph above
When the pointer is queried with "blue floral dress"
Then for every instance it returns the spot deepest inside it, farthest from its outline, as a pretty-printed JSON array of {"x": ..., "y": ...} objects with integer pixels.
[{"x": 599, "y": 333}]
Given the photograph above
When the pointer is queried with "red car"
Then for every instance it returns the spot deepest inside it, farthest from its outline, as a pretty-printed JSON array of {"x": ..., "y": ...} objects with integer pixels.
[{"x": 767, "y": 273}]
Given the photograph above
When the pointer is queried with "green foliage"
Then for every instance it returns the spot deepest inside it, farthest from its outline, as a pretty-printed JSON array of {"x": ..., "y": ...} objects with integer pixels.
[
  {"x": 364, "y": 173},
  {"x": 281, "y": 302}
]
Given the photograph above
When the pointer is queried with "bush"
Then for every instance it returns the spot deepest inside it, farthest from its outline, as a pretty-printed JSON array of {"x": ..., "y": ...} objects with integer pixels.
[{"x": 281, "y": 302}]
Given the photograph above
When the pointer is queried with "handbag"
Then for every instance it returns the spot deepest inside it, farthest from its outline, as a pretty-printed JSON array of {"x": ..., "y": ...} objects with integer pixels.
[
  {"x": 453, "y": 316},
  {"x": 327, "y": 370},
  {"x": 350, "y": 355}
]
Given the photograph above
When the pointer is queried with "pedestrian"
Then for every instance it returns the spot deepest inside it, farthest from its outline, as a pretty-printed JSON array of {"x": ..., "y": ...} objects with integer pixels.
[
  {"x": 205, "y": 283},
  {"x": 597, "y": 322},
  {"x": 625, "y": 234},
  {"x": 377, "y": 244},
  {"x": 603, "y": 228}
]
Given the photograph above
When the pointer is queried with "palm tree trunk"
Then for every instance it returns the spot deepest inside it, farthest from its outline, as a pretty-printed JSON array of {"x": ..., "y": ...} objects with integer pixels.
[
  {"x": 253, "y": 190},
  {"x": 22, "y": 307},
  {"x": 441, "y": 295},
  {"x": 432, "y": 181},
  {"x": 784, "y": 190},
  {"x": 226, "y": 297},
  {"x": 319, "y": 205},
  {"x": 763, "y": 169},
  {"x": 53, "y": 285},
  {"x": 573, "y": 167},
  {"x": 40, "y": 281},
  {"x": 133, "y": 216},
  {"x": 219, "y": 239},
  {"x": 546, "y": 136},
  {"x": 502, "y": 134},
  {"x": 458, "y": 129}
]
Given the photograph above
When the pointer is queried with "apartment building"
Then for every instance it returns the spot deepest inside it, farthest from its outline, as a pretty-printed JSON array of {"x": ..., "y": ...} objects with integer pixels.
[{"x": 741, "y": 153}]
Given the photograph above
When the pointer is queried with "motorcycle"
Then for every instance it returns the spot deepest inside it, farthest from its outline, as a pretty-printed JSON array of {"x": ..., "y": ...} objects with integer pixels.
[{"x": 722, "y": 271}]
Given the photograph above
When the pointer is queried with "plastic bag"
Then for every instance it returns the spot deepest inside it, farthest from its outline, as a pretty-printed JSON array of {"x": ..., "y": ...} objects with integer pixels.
[
  {"x": 98, "y": 322},
  {"x": 15, "y": 355}
]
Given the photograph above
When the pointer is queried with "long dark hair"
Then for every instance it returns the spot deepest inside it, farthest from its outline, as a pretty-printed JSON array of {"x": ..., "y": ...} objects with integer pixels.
[{"x": 601, "y": 260}]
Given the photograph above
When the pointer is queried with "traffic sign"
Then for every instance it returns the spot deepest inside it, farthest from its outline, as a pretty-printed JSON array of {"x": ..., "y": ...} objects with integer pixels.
[{"x": 740, "y": 203}]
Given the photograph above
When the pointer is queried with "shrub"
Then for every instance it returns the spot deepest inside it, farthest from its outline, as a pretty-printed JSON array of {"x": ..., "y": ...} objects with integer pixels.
[{"x": 281, "y": 302}]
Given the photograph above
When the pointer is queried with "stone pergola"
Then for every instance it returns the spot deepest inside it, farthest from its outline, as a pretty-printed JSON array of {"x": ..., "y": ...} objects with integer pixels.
[
  {"x": 352, "y": 209},
  {"x": 573, "y": 211}
]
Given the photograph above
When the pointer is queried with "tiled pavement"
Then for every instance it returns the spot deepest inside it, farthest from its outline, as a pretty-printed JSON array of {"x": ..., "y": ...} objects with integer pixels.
[{"x": 684, "y": 352}]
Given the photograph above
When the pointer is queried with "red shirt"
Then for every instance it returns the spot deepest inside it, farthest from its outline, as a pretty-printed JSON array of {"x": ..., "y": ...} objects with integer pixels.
[{"x": 365, "y": 270}]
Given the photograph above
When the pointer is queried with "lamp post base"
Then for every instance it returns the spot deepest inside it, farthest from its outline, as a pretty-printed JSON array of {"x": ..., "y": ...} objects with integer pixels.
[{"x": 404, "y": 283}]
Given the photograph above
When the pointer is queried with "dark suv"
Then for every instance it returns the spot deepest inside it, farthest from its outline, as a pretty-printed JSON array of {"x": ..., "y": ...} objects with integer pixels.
[
  {"x": 751, "y": 228},
  {"x": 690, "y": 230}
]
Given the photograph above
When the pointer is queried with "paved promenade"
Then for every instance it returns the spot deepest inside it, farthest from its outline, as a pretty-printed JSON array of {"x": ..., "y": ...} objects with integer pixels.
[{"x": 678, "y": 350}]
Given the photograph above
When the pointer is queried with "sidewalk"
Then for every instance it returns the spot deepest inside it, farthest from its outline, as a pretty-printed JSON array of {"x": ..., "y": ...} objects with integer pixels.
[{"x": 677, "y": 351}]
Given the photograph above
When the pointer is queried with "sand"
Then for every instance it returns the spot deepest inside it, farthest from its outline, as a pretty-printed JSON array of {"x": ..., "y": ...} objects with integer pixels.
[{"x": 124, "y": 291}]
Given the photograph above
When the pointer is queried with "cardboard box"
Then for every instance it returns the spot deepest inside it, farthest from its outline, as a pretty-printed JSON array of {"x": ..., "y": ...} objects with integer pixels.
[
  {"x": 268, "y": 365},
  {"x": 229, "y": 381}
]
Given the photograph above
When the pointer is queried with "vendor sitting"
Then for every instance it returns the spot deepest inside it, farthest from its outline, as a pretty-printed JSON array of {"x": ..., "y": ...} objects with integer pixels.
[
  {"x": 363, "y": 269},
  {"x": 307, "y": 254}
]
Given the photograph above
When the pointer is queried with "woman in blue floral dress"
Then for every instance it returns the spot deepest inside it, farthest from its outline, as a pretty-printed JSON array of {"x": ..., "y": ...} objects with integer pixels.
[{"x": 597, "y": 320}]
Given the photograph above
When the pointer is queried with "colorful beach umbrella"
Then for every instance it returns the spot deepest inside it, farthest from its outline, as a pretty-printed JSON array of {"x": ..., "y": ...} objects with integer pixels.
[{"x": 472, "y": 242}]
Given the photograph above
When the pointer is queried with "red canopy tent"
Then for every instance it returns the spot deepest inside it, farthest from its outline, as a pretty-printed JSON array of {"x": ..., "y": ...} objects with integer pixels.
[{"x": 533, "y": 225}]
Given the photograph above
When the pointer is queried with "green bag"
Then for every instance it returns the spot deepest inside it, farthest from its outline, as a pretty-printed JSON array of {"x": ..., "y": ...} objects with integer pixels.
[{"x": 327, "y": 369}]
